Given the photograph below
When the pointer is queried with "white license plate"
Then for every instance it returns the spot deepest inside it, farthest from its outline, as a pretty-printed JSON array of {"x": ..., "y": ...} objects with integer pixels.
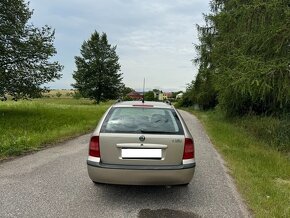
[{"x": 142, "y": 153}]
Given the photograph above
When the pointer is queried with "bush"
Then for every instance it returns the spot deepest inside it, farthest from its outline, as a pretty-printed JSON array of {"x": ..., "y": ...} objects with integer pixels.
[
  {"x": 282, "y": 133},
  {"x": 77, "y": 95},
  {"x": 272, "y": 130},
  {"x": 58, "y": 94}
]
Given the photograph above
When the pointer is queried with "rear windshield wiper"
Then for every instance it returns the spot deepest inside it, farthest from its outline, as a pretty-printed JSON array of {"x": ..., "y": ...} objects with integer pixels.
[{"x": 155, "y": 131}]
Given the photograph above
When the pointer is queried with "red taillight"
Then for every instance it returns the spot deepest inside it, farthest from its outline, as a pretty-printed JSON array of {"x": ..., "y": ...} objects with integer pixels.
[
  {"x": 94, "y": 149},
  {"x": 188, "y": 152}
]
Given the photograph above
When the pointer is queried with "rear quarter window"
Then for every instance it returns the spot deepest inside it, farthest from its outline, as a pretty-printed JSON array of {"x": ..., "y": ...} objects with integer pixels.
[{"x": 142, "y": 120}]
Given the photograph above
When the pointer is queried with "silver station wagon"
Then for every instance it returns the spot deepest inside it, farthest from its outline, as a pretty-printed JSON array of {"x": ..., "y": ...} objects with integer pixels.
[{"x": 138, "y": 143}]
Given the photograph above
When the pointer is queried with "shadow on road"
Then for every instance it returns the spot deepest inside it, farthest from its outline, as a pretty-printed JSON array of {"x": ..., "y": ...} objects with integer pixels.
[{"x": 153, "y": 197}]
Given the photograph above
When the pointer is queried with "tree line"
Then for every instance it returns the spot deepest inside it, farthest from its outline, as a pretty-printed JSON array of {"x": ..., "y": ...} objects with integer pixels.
[{"x": 243, "y": 58}]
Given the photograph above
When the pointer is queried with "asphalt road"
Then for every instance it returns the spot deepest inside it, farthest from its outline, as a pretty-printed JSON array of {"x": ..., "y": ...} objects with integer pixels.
[{"x": 54, "y": 183}]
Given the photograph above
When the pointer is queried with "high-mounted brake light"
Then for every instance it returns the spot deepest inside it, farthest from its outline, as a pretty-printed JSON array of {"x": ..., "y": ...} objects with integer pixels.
[
  {"x": 142, "y": 105},
  {"x": 94, "y": 148},
  {"x": 188, "y": 152}
]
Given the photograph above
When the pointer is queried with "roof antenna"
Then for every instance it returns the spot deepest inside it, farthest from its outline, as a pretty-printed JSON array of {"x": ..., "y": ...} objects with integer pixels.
[{"x": 143, "y": 90}]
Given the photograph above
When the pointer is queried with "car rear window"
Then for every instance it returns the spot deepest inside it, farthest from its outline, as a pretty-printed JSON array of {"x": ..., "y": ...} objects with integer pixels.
[{"x": 142, "y": 120}]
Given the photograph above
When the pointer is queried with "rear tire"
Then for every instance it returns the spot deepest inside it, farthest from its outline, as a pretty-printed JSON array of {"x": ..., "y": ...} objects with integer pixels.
[{"x": 96, "y": 183}]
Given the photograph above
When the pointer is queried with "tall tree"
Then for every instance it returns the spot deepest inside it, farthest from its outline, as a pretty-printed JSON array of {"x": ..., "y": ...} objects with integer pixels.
[
  {"x": 247, "y": 55},
  {"x": 97, "y": 75},
  {"x": 25, "y": 51},
  {"x": 203, "y": 90}
]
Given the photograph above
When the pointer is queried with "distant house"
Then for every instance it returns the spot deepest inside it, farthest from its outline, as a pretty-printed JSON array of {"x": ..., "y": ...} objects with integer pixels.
[
  {"x": 135, "y": 95},
  {"x": 162, "y": 96},
  {"x": 167, "y": 95},
  {"x": 179, "y": 95},
  {"x": 158, "y": 95}
]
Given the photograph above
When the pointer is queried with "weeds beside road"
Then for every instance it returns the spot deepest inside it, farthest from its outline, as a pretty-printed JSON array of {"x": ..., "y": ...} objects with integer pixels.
[
  {"x": 261, "y": 172},
  {"x": 29, "y": 125}
]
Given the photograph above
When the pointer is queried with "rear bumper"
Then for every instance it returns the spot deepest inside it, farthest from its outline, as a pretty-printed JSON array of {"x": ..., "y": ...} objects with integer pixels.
[{"x": 140, "y": 175}]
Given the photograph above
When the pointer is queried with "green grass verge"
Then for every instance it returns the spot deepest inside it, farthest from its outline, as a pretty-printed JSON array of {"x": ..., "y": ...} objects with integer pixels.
[
  {"x": 29, "y": 125},
  {"x": 261, "y": 172}
]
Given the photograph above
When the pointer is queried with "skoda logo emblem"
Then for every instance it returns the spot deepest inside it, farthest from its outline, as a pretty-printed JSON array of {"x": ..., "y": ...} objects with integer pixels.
[{"x": 142, "y": 138}]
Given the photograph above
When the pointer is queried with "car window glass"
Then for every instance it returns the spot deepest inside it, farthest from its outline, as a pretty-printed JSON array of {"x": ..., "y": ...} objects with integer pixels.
[{"x": 138, "y": 120}]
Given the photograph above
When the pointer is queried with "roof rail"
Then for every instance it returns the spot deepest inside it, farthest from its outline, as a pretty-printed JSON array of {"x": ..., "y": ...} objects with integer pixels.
[
  {"x": 168, "y": 102},
  {"x": 118, "y": 101}
]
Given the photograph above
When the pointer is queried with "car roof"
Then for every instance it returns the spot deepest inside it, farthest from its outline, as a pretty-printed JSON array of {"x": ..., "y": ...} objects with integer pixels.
[{"x": 148, "y": 104}]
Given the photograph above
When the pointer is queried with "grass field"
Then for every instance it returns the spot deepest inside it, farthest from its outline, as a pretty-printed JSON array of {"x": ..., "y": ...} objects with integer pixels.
[
  {"x": 261, "y": 172},
  {"x": 59, "y": 93},
  {"x": 29, "y": 125}
]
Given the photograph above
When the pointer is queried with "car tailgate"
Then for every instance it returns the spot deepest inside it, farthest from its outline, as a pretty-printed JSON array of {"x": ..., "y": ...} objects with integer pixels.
[{"x": 141, "y": 149}]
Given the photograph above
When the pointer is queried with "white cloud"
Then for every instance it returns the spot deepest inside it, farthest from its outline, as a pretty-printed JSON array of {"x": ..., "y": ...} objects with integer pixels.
[{"x": 154, "y": 37}]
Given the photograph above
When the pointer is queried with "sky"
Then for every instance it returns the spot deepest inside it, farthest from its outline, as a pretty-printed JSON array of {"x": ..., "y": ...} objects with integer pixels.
[{"x": 155, "y": 38}]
